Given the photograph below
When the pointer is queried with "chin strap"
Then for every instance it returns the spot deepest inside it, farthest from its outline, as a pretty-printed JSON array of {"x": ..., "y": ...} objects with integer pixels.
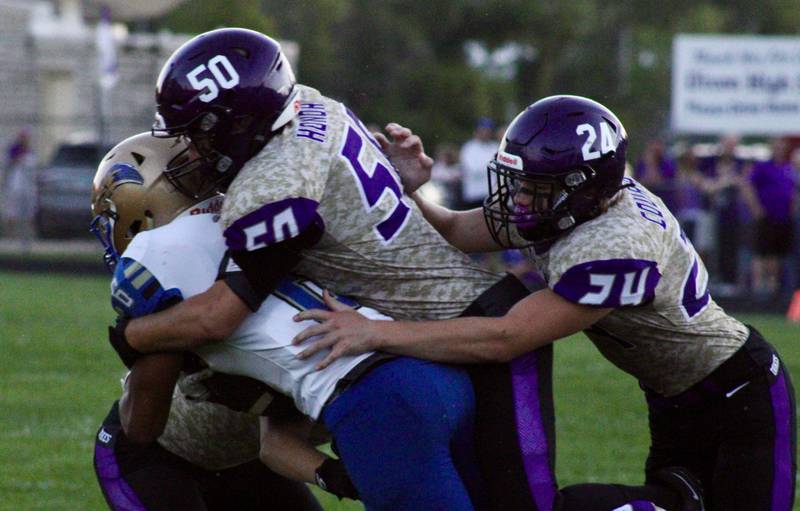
[
  {"x": 268, "y": 128},
  {"x": 289, "y": 111},
  {"x": 622, "y": 187}
]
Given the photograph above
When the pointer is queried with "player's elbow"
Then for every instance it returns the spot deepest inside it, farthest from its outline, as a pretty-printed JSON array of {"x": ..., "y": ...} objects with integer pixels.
[
  {"x": 503, "y": 356},
  {"x": 502, "y": 349},
  {"x": 498, "y": 353}
]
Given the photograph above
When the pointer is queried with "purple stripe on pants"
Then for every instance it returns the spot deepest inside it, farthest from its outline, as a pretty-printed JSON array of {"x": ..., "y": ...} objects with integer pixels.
[
  {"x": 119, "y": 494},
  {"x": 638, "y": 505},
  {"x": 530, "y": 430},
  {"x": 783, "y": 478}
]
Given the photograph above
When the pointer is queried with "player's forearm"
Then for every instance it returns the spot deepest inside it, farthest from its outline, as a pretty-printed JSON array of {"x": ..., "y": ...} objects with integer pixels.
[
  {"x": 465, "y": 230},
  {"x": 535, "y": 321},
  {"x": 145, "y": 404},
  {"x": 202, "y": 319},
  {"x": 171, "y": 330},
  {"x": 460, "y": 340}
]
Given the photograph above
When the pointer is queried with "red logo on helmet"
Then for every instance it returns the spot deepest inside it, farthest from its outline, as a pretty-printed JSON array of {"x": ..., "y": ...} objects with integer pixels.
[{"x": 510, "y": 160}]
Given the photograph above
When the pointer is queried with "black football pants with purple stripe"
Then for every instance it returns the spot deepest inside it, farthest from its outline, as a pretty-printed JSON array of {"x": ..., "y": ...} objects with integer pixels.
[
  {"x": 514, "y": 417},
  {"x": 150, "y": 478},
  {"x": 735, "y": 431},
  {"x": 741, "y": 445}
]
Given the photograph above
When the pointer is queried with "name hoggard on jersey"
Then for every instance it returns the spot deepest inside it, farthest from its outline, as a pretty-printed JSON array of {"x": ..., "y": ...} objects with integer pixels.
[
  {"x": 312, "y": 122},
  {"x": 326, "y": 171},
  {"x": 665, "y": 328}
]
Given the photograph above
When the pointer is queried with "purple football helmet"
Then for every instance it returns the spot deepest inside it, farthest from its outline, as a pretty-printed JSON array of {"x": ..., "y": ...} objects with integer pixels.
[
  {"x": 559, "y": 159},
  {"x": 228, "y": 91}
]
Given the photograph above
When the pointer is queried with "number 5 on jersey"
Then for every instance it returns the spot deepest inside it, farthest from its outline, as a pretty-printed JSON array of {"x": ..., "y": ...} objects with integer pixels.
[{"x": 375, "y": 184}]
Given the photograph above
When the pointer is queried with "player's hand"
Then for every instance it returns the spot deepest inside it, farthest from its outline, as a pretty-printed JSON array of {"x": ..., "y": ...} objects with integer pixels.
[
  {"x": 332, "y": 477},
  {"x": 407, "y": 155},
  {"x": 341, "y": 329}
]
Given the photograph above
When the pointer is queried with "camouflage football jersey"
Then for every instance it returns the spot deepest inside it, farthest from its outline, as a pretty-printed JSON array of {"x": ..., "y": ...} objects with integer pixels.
[
  {"x": 209, "y": 435},
  {"x": 665, "y": 328},
  {"x": 325, "y": 169}
]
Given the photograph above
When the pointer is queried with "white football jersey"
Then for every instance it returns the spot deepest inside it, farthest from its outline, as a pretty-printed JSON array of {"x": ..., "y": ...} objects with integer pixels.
[
  {"x": 186, "y": 254},
  {"x": 665, "y": 328}
]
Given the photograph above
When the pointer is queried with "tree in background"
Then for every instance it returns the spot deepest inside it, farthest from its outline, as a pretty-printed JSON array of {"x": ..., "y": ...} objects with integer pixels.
[
  {"x": 196, "y": 16},
  {"x": 409, "y": 61}
]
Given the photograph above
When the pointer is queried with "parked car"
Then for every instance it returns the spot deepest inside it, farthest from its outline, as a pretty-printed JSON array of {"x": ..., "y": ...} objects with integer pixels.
[{"x": 64, "y": 191}]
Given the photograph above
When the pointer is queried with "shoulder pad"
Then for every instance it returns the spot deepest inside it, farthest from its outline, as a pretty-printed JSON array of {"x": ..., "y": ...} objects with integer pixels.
[
  {"x": 273, "y": 223},
  {"x": 136, "y": 292},
  {"x": 610, "y": 283}
]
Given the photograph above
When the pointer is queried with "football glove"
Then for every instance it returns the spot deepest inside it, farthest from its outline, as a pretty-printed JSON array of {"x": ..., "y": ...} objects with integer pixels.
[
  {"x": 332, "y": 477},
  {"x": 116, "y": 337}
]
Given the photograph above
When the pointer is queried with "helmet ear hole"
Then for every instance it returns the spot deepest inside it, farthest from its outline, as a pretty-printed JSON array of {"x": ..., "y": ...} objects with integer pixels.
[
  {"x": 241, "y": 124},
  {"x": 138, "y": 157},
  {"x": 134, "y": 228}
]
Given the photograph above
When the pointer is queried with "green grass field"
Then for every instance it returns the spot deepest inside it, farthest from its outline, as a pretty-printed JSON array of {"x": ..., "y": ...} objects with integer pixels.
[{"x": 58, "y": 378}]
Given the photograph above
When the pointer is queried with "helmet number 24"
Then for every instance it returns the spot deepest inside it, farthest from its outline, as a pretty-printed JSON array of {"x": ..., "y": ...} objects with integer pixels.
[
  {"x": 608, "y": 141},
  {"x": 223, "y": 73}
]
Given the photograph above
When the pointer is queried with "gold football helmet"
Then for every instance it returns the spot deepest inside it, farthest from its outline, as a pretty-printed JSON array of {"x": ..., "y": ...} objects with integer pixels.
[{"x": 130, "y": 193}]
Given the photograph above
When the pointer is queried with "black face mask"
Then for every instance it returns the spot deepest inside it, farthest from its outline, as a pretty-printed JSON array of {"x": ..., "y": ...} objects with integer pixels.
[{"x": 546, "y": 206}]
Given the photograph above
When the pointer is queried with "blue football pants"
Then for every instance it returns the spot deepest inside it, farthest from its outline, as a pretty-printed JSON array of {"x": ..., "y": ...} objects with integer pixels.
[{"x": 405, "y": 433}]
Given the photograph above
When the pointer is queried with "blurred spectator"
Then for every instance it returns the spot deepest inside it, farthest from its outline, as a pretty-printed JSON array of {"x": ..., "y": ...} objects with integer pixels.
[
  {"x": 793, "y": 262},
  {"x": 499, "y": 132},
  {"x": 770, "y": 194},
  {"x": 688, "y": 205},
  {"x": 656, "y": 171},
  {"x": 721, "y": 179},
  {"x": 475, "y": 155},
  {"x": 443, "y": 188},
  {"x": 520, "y": 264},
  {"x": 795, "y": 160},
  {"x": 19, "y": 189}
]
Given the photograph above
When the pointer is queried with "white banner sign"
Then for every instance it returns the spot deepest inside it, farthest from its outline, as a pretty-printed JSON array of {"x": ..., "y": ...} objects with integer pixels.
[{"x": 748, "y": 85}]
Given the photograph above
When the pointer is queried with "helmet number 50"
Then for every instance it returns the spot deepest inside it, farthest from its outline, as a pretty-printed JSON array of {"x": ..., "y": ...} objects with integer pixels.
[
  {"x": 223, "y": 73},
  {"x": 608, "y": 142}
]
